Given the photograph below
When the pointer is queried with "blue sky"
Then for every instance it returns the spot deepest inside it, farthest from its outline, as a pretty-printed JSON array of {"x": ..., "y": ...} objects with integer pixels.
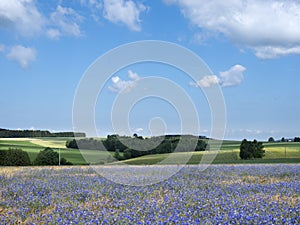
[{"x": 252, "y": 48}]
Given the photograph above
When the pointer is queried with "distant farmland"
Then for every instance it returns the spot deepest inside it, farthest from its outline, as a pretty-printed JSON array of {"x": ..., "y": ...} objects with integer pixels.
[{"x": 277, "y": 152}]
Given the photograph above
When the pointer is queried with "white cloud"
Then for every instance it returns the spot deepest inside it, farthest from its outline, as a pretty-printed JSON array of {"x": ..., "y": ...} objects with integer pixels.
[
  {"x": 53, "y": 34},
  {"x": 207, "y": 81},
  {"x": 119, "y": 85},
  {"x": 270, "y": 27},
  {"x": 245, "y": 131},
  {"x": 92, "y": 3},
  {"x": 139, "y": 129},
  {"x": 270, "y": 52},
  {"x": 126, "y": 12},
  {"x": 94, "y": 6},
  {"x": 22, "y": 16},
  {"x": 22, "y": 55},
  {"x": 65, "y": 21},
  {"x": 232, "y": 77},
  {"x": 133, "y": 76}
]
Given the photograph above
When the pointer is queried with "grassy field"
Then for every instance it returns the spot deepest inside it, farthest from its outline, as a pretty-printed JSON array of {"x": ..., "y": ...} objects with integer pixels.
[
  {"x": 279, "y": 152},
  {"x": 34, "y": 145},
  {"x": 229, "y": 154}
]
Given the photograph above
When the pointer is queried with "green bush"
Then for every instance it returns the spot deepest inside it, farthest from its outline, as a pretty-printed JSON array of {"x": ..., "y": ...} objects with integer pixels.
[
  {"x": 14, "y": 157},
  {"x": 251, "y": 150},
  {"x": 49, "y": 157},
  {"x": 2, "y": 155},
  {"x": 63, "y": 161}
]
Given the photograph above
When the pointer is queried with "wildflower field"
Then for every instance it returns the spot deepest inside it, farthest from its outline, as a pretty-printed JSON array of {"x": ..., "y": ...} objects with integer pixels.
[{"x": 221, "y": 194}]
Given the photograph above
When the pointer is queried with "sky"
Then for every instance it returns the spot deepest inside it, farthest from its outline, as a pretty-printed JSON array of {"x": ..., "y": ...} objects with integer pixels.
[{"x": 251, "y": 47}]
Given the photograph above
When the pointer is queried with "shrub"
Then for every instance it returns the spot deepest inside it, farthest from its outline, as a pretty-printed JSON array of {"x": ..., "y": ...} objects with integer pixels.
[
  {"x": 49, "y": 157},
  {"x": 251, "y": 150},
  {"x": 2, "y": 155},
  {"x": 63, "y": 161}
]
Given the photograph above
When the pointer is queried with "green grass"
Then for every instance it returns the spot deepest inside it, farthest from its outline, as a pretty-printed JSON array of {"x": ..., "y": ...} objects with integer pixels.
[
  {"x": 229, "y": 152},
  {"x": 32, "y": 149},
  {"x": 72, "y": 155}
]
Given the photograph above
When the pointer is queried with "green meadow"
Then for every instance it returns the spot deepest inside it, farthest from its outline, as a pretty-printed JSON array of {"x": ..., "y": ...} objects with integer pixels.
[{"x": 276, "y": 152}]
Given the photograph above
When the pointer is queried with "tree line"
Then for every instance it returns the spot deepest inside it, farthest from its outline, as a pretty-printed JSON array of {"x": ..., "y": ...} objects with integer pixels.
[
  {"x": 118, "y": 144},
  {"x": 5, "y": 133},
  {"x": 283, "y": 139}
]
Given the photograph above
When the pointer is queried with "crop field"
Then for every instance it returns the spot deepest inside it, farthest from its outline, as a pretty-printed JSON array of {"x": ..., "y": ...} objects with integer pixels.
[
  {"x": 229, "y": 153},
  {"x": 34, "y": 145},
  {"x": 221, "y": 194}
]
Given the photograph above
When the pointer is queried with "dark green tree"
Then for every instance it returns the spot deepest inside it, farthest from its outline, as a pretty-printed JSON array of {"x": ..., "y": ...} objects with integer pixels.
[
  {"x": 297, "y": 139},
  {"x": 14, "y": 157},
  {"x": 251, "y": 150},
  {"x": 201, "y": 146},
  {"x": 258, "y": 149},
  {"x": 112, "y": 143},
  {"x": 127, "y": 153},
  {"x": 47, "y": 157},
  {"x": 2, "y": 157},
  {"x": 245, "y": 150},
  {"x": 72, "y": 144},
  {"x": 63, "y": 162},
  {"x": 271, "y": 139},
  {"x": 117, "y": 155}
]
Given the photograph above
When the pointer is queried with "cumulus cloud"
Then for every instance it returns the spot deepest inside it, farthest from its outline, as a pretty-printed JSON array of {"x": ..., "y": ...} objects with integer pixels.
[
  {"x": 22, "y": 55},
  {"x": 65, "y": 21},
  {"x": 21, "y": 16},
  {"x": 119, "y": 85},
  {"x": 125, "y": 12},
  {"x": 269, "y": 27},
  {"x": 53, "y": 33},
  {"x": 207, "y": 81},
  {"x": 232, "y": 77},
  {"x": 270, "y": 52},
  {"x": 94, "y": 6}
]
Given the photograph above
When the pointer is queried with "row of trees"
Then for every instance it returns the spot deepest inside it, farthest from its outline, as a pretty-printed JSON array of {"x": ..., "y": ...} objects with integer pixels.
[
  {"x": 4, "y": 133},
  {"x": 18, "y": 157},
  {"x": 283, "y": 139},
  {"x": 136, "y": 146}
]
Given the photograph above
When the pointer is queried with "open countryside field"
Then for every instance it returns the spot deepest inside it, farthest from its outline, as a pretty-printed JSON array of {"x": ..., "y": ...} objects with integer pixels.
[
  {"x": 221, "y": 194},
  {"x": 34, "y": 145},
  {"x": 273, "y": 155},
  {"x": 277, "y": 152}
]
